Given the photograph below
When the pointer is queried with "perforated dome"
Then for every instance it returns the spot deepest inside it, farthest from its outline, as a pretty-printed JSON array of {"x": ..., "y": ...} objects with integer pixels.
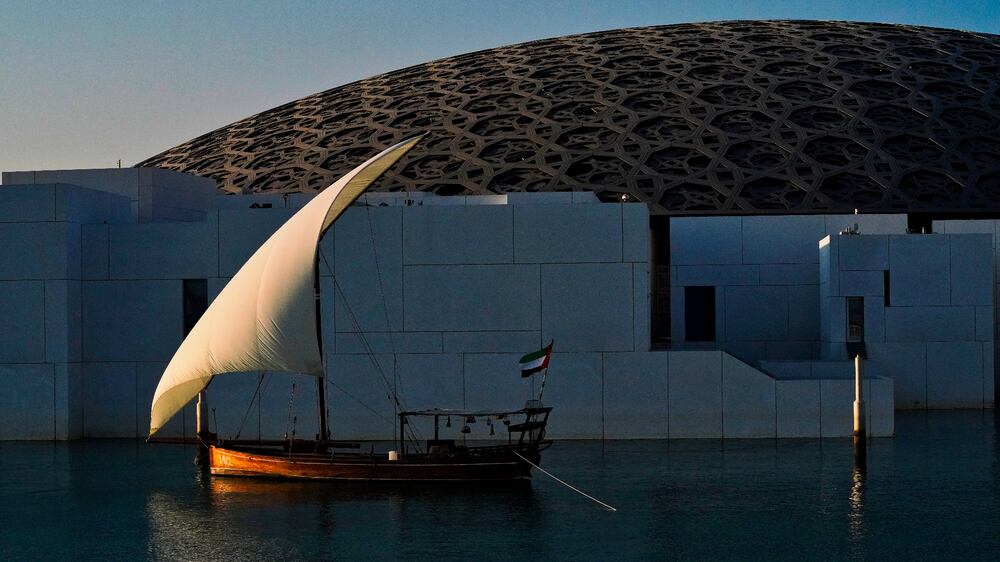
[{"x": 735, "y": 117}]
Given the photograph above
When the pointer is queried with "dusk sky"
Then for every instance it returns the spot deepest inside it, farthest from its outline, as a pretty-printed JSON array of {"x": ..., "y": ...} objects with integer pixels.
[{"x": 87, "y": 84}]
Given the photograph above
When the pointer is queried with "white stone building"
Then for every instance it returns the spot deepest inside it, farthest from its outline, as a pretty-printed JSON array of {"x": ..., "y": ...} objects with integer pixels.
[{"x": 102, "y": 271}]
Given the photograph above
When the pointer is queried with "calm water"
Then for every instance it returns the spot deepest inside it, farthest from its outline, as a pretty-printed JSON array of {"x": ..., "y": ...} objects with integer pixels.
[{"x": 930, "y": 492}]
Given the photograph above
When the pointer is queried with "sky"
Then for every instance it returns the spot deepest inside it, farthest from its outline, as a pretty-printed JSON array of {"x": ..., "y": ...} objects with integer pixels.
[{"x": 85, "y": 84}]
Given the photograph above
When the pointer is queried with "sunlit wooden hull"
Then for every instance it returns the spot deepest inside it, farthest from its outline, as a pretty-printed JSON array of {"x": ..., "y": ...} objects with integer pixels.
[{"x": 230, "y": 462}]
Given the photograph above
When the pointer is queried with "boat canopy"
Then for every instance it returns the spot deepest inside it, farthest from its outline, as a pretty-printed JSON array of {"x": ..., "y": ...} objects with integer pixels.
[
  {"x": 265, "y": 317},
  {"x": 477, "y": 413}
]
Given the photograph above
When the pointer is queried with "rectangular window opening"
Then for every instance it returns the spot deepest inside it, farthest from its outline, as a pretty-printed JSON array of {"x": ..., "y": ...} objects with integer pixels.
[
  {"x": 195, "y": 302},
  {"x": 699, "y": 314},
  {"x": 885, "y": 287},
  {"x": 855, "y": 319}
]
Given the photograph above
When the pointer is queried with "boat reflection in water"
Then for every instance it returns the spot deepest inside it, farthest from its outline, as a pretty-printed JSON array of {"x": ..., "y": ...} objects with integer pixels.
[{"x": 267, "y": 518}]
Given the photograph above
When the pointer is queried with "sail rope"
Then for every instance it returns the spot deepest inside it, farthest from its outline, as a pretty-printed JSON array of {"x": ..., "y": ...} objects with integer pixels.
[
  {"x": 256, "y": 392},
  {"x": 577, "y": 490},
  {"x": 396, "y": 383},
  {"x": 370, "y": 352}
]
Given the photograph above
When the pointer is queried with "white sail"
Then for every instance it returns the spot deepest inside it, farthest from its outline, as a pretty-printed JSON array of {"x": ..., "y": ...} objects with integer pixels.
[{"x": 265, "y": 317}]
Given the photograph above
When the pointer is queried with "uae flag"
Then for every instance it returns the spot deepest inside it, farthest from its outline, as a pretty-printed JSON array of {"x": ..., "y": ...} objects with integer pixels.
[{"x": 537, "y": 361}]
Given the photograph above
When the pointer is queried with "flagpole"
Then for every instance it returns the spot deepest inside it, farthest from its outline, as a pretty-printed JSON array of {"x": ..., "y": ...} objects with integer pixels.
[{"x": 541, "y": 391}]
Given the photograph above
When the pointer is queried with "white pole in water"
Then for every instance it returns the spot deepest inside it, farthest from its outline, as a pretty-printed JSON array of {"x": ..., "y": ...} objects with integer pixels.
[
  {"x": 201, "y": 427},
  {"x": 860, "y": 435}
]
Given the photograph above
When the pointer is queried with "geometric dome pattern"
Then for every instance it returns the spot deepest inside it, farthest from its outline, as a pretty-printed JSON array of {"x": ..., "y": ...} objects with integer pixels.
[{"x": 739, "y": 117}]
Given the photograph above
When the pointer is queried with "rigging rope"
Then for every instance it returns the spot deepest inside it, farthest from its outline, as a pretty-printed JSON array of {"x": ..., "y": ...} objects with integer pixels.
[
  {"x": 396, "y": 382},
  {"x": 391, "y": 394},
  {"x": 577, "y": 490},
  {"x": 253, "y": 398}
]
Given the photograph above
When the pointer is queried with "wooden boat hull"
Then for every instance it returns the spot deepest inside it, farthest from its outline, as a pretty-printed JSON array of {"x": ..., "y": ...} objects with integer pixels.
[{"x": 230, "y": 462}]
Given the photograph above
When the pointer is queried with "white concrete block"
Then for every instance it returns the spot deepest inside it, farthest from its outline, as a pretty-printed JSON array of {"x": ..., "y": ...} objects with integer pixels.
[
  {"x": 27, "y": 203},
  {"x": 837, "y": 403},
  {"x": 797, "y": 403},
  {"x": 930, "y": 323},
  {"x": 706, "y": 240},
  {"x": 112, "y": 311},
  {"x": 701, "y": 275},
  {"x": 863, "y": 253},
  {"x": 833, "y": 369},
  {"x": 635, "y": 395},
  {"x": 641, "y": 306},
  {"x": 919, "y": 270},
  {"x": 380, "y": 342},
  {"x": 906, "y": 364},
  {"x": 360, "y": 407},
  {"x": 371, "y": 277},
  {"x": 575, "y": 391},
  {"x": 187, "y": 250},
  {"x": 22, "y": 315},
  {"x": 788, "y": 350},
  {"x": 748, "y": 350},
  {"x": 53, "y": 247},
  {"x": 861, "y": 283},
  {"x": 94, "y": 248},
  {"x": 971, "y": 282},
  {"x": 984, "y": 323},
  {"x": 784, "y": 369},
  {"x": 491, "y": 342},
  {"x": 241, "y": 233},
  {"x": 588, "y": 306},
  {"x": 989, "y": 375},
  {"x": 82, "y": 205},
  {"x": 837, "y": 315},
  {"x": 803, "y": 313},
  {"x": 430, "y": 380},
  {"x": 879, "y": 403},
  {"x": 68, "y": 381},
  {"x": 756, "y": 313},
  {"x": 110, "y": 400},
  {"x": 119, "y": 181},
  {"x": 62, "y": 321},
  {"x": 874, "y": 319},
  {"x": 472, "y": 298},
  {"x": 458, "y": 235},
  {"x": 493, "y": 381},
  {"x": 781, "y": 239},
  {"x": 567, "y": 234},
  {"x": 635, "y": 232},
  {"x": 695, "y": 394},
  {"x": 954, "y": 375},
  {"x": 748, "y": 401},
  {"x": 790, "y": 274},
  {"x": 27, "y": 398}
]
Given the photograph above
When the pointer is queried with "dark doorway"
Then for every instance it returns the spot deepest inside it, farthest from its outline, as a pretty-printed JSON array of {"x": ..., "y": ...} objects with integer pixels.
[
  {"x": 699, "y": 313},
  {"x": 855, "y": 326},
  {"x": 195, "y": 302}
]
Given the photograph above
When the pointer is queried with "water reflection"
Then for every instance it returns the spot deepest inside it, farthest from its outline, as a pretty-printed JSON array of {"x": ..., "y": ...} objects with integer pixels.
[
  {"x": 271, "y": 519},
  {"x": 856, "y": 517},
  {"x": 790, "y": 499}
]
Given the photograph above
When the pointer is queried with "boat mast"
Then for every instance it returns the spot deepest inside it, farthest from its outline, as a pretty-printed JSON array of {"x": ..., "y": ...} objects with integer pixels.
[{"x": 324, "y": 433}]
